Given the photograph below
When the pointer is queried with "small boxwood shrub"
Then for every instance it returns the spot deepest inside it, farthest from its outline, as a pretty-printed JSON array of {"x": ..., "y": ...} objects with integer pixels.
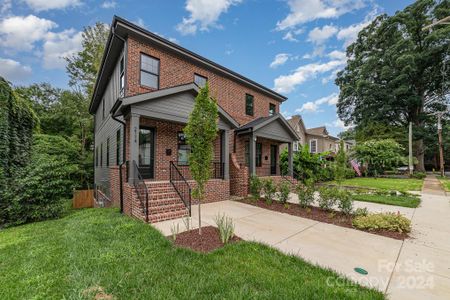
[
  {"x": 305, "y": 194},
  {"x": 345, "y": 202},
  {"x": 327, "y": 197},
  {"x": 284, "y": 188},
  {"x": 269, "y": 190},
  {"x": 383, "y": 221},
  {"x": 419, "y": 175}
]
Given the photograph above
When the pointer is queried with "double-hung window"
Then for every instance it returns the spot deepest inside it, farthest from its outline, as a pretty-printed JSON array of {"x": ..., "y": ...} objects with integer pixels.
[
  {"x": 248, "y": 105},
  {"x": 258, "y": 157},
  {"x": 149, "y": 71},
  {"x": 313, "y": 146},
  {"x": 272, "y": 109},
  {"x": 121, "y": 77},
  {"x": 200, "y": 80}
]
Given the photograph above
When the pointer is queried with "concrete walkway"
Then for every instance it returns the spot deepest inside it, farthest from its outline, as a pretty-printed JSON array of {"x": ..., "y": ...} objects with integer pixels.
[{"x": 389, "y": 262}]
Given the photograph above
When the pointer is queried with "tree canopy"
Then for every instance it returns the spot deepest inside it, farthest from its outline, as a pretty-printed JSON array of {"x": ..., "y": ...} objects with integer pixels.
[{"x": 394, "y": 68}]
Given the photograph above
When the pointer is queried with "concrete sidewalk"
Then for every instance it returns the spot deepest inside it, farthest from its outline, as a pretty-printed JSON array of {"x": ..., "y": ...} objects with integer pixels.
[{"x": 391, "y": 263}]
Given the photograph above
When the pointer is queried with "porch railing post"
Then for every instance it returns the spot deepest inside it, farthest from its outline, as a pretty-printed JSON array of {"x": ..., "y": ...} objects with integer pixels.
[
  {"x": 290, "y": 160},
  {"x": 252, "y": 154},
  {"x": 134, "y": 144}
]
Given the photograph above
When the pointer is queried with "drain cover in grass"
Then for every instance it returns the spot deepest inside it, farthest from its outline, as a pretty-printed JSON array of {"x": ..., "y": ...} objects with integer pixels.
[{"x": 361, "y": 271}]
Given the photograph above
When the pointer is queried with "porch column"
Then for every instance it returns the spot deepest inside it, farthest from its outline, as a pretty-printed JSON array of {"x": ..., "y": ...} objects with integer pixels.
[
  {"x": 226, "y": 153},
  {"x": 134, "y": 145},
  {"x": 290, "y": 160},
  {"x": 252, "y": 154}
]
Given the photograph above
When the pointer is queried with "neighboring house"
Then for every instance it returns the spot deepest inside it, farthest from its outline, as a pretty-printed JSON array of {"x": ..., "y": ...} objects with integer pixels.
[
  {"x": 143, "y": 96},
  {"x": 318, "y": 139}
]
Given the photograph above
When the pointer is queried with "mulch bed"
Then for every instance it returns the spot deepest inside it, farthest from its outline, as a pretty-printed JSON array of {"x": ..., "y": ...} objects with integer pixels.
[
  {"x": 317, "y": 214},
  {"x": 208, "y": 241}
]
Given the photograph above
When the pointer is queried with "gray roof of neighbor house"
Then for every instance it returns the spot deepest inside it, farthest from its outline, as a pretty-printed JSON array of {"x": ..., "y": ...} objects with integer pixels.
[
  {"x": 297, "y": 119},
  {"x": 320, "y": 131},
  {"x": 121, "y": 28},
  {"x": 261, "y": 122}
]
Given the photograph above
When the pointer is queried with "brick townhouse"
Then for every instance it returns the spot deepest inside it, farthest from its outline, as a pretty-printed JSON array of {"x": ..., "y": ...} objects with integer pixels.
[{"x": 142, "y": 98}]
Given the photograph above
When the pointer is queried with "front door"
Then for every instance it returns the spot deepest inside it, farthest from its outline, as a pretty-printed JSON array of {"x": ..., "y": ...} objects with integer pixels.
[
  {"x": 146, "y": 152},
  {"x": 273, "y": 159}
]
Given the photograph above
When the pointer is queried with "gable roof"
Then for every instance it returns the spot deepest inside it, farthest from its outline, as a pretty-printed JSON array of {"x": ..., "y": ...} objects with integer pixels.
[
  {"x": 118, "y": 109},
  {"x": 322, "y": 130},
  {"x": 121, "y": 29},
  {"x": 297, "y": 119},
  {"x": 261, "y": 122}
]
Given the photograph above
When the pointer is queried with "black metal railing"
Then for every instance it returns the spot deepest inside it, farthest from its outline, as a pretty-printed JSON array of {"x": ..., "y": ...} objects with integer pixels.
[
  {"x": 268, "y": 169},
  {"x": 180, "y": 185},
  {"x": 217, "y": 170},
  {"x": 141, "y": 189}
]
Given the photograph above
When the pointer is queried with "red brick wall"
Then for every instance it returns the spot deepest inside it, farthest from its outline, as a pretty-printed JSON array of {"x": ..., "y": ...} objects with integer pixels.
[
  {"x": 216, "y": 190},
  {"x": 239, "y": 178},
  {"x": 175, "y": 70}
]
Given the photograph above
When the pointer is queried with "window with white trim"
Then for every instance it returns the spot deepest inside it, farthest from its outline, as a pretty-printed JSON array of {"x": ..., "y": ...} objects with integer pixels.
[
  {"x": 313, "y": 146},
  {"x": 295, "y": 146}
]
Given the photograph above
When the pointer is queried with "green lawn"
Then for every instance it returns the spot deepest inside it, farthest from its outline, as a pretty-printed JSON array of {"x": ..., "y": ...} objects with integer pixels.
[
  {"x": 98, "y": 249},
  {"x": 386, "y": 183},
  {"x": 406, "y": 201},
  {"x": 445, "y": 181}
]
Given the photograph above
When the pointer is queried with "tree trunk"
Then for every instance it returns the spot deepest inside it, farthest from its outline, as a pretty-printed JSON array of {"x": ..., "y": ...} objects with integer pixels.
[
  {"x": 199, "y": 218},
  {"x": 420, "y": 156}
]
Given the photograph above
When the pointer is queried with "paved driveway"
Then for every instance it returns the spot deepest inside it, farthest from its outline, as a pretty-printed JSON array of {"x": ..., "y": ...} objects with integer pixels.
[{"x": 418, "y": 268}]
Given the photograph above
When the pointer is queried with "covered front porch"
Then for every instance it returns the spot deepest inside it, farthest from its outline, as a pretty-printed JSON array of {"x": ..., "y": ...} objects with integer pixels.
[{"x": 263, "y": 140}]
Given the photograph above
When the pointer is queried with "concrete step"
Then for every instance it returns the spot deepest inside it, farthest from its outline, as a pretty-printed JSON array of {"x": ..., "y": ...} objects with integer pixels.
[{"x": 168, "y": 216}]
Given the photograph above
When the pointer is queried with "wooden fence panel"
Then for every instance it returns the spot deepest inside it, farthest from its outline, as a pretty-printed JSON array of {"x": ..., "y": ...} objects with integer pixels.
[{"x": 83, "y": 198}]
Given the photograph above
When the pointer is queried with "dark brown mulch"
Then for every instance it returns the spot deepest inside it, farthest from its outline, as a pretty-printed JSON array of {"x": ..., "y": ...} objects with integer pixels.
[
  {"x": 318, "y": 214},
  {"x": 208, "y": 241}
]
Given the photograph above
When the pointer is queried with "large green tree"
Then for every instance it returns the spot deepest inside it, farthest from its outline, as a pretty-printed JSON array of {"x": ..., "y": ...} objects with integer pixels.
[
  {"x": 394, "y": 68},
  {"x": 83, "y": 67},
  {"x": 201, "y": 131}
]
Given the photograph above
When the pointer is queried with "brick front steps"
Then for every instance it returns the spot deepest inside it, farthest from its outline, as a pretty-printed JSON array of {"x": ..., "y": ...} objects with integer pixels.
[{"x": 164, "y": 202}]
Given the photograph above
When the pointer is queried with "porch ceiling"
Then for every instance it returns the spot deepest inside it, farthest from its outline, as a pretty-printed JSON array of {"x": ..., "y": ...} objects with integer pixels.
[{"x": 273, "y": 127}]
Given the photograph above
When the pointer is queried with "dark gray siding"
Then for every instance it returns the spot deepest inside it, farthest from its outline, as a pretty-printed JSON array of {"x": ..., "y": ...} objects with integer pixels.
[
  {"x": 107, "y": 128},
  {"x": 275, "y": 131}
]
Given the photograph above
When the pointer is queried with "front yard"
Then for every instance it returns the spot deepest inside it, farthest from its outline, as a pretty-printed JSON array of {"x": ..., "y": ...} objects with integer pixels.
[
  {"x": 394, "y": 184},
  {"x": 445, "y": 181},
  {"x": 98, "y": 253}
]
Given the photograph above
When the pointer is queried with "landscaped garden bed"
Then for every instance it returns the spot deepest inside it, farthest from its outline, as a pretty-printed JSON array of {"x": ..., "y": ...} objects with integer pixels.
[
  {"x": 208, "y": 241},
  {"x": 318, "y": 214}
]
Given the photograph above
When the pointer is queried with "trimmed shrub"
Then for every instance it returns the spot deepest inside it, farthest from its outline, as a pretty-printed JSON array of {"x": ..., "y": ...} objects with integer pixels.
[
  {"x": 345, "y": 202},
  {"x": 383, "y": 221},
  {"x": 269, "y": 190},
  {"x": 419, "y": 175},
  {"x": 305, "y": 194},
  {"x": 255, "y": 186},
  {"x": 284, "y": 188},
  {"x": 327, "y": 197},
  {"x": 361, "y": 212}
]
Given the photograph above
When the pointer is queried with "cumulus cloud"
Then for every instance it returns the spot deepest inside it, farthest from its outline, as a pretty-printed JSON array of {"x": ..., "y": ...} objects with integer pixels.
[
  {"x": 287, "y": 83},
  {"x": 43, "y": 5},
  {"x": 109, "y": 4},
  {"x": 279, "y": 60},
  {"x": 57, "y": 46},
  {"x": 20, "y": 33},
  {"x": 303, "y": 11},
  {"x": 319, "y": 35},
  {"x": 313, "y": 106},
  {"x": 13, "y": 70},
  {"x": 339, "y": 124},
  {"x": 335, "y": 54},
  {"x": 204, "y": 14},
  {"x": 349, "y": 34}
]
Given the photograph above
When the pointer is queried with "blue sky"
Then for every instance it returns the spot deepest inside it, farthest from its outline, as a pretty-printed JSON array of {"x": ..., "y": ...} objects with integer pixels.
[{"x": 293, "y": 46}]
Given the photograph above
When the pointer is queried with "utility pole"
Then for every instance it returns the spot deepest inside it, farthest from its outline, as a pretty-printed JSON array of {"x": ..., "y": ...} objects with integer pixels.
[{"x": 411, "y": 166}]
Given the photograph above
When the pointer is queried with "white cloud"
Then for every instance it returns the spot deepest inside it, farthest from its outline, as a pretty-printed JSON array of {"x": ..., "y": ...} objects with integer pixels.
[
  {"x": 289, "y": 36},
  {"x": 337, "y": 55},
  {"x": 339, "y": 124},
  {"x": 280, "y": 59},
  {"x": 303, "y": 11},
  {"x": 13, "y": 70},
  {"x": 60, "y": 45},
  {"x": 5, "y": 7},
  {"x": 313, "y": 106},
  {"x": 350, "y": 34},
  {"x": 20, "y": 33},
  {"x": 319, "y": 35},
  {"x": 109, "y": 4},
  {"x": 287, "y": 83},
  {"x": 43, "y": 5},
  {"x": 203, "y": 14}
]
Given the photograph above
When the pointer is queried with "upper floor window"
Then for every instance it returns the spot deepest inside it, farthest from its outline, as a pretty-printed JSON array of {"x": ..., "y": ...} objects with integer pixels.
[
  {"x": 200, "y": 80},
  {"x": 313, "y": 146},
  {"x": 121, "y": 77},
  {"x": 96, "y": 156},
  {"x": 107, "y": 152},
  {"x": 103, "y": 108},
  {"x": 272, "y": 109},
  {"x": 248, "y": 104},
  {"x": 118, "y": 147},
  {"x": 149, "y": 71}
]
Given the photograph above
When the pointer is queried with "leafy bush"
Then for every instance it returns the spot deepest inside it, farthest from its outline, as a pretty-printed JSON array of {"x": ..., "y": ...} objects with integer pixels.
[
  {"x": 44, "y": 185},
  {"x": 361, "y": 212},
  {"x": 255, "y": 186},
  {"x": 383, "y": 221},
  {"x": 305, "y": 193},
  {"x": 225, "y": 226},
  {"x": 284, "y": 188},
  {"x": 419, "y": 175},
  {"x": 345, "y": 202},
  {"x": 269, "y": 190},
  {"x": 327, "y": 197}
]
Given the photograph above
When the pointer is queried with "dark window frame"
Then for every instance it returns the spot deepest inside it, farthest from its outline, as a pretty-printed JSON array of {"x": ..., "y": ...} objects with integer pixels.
[
  {"x": 201, "y": 76},
  {"x": 96, "y": 156},
  {"x": 107, "y": 151},
  {"x": 122, "y": 76},
  {"x": 272, "y": 111},
  {"x": 148, "y": 72},
  {"x": 101, "y": 155},
  {"x": 118, "y": 144},
  {"x": 249, "y": 107},
  {"x": 103, "y": 108},
  {"x": 258, "y": 155}
]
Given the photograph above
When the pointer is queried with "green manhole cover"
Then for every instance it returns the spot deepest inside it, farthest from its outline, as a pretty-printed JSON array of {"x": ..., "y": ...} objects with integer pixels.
[{"x": 361, "y": 271}]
